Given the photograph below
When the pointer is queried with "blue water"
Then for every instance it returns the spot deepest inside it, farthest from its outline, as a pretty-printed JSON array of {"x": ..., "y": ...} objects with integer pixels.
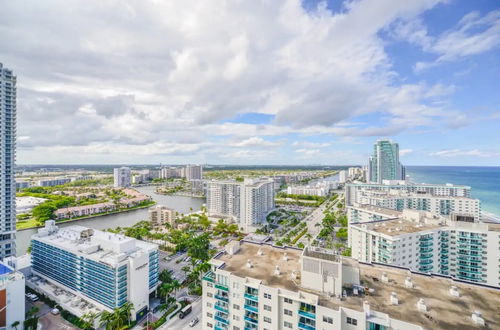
[{"x": 484, "y": 181}]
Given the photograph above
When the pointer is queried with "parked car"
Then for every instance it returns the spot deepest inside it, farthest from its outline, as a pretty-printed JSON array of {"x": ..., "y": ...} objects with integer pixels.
[
  {"x": 193, "y": 322},
  {"x": 55, "y": 311}
]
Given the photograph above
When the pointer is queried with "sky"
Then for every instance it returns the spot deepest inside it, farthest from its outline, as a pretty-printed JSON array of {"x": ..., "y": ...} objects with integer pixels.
[{"x": 254, "y": 82}]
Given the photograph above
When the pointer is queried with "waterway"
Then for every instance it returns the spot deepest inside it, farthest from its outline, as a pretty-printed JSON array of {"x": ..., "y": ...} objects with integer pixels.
[{"x": 182, "y": 204}]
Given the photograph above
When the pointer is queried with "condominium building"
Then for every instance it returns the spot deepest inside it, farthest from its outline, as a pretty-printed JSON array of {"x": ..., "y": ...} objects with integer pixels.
[
  {"x": 160, "y": 215},
  {"x": 12, "y": 300},
  {"x": 7, "y": 160},
  {"x": 122, "y": 177},
  {"x": 50, "y": 182},
  {"x": 449, "y": 206},
  {"x": 384, "y": 163},
  {"x": 246, "y": 203},
  {"x": 259, "y": 286},
  {"x": 102, "y": 268},
  {"x": 342, "y": 176},
  {"x": 462, "y": 250},
  {"x": 170, "y": 172},
  {"x": 193, "y": 172},
  {"x": 354, "y": 191},
  {"x": 307, "y": 190}
]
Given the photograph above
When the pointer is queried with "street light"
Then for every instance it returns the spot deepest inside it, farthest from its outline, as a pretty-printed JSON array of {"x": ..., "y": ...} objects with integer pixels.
[{"x": 147, "y": 319}]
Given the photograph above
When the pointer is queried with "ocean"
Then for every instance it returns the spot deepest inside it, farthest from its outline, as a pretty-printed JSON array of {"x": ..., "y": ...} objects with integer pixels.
[{"x": 484, "y": 181}]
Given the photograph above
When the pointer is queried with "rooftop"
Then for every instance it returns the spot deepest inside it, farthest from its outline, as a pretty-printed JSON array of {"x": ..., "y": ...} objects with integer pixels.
[
  {"x": 379, "y": 210},
  {"x": 397, "y": 227},
  {"x": 444, "y": 311},
  {"x": 263, "y": 266}
]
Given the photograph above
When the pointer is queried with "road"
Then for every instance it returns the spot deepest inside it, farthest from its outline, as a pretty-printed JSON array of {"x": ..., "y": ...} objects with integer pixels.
[
  {"x": 314, "y": 218},
  {"x": 183, "y": 324}
]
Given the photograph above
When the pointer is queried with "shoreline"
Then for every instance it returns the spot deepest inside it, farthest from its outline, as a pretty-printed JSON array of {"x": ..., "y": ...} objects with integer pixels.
[{"x": 92, "y": 216}]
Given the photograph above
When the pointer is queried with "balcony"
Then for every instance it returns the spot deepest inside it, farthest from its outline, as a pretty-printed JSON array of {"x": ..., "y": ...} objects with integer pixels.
[
  {"x": 220, "y": 308},
  {"x": 210, "y": 277},
  {"x": 221, "y": 287},
  {"x": 425, "y": 262},
  {"x": 307, "y": 314},
  {"x": 251, "y": 308},
  {"x": 249, "y": 319},
  {"x": 306, "y": 327},
  {"x": 225, "y": 299},
  {"x": 221, "y": 319},
  {"x": 251, "y": 297}
]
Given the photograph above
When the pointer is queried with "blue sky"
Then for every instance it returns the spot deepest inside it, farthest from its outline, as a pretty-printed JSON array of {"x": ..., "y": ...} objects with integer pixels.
[{"x": 280, "y": 82}]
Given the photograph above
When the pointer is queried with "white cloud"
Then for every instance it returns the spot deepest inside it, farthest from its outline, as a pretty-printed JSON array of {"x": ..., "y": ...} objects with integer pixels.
[
  {"x": 308, "y": 152},
  {"x": 404, "y": 152},
  {"x": 465, "y": 153},
  {"x": 256, "y": 142}
]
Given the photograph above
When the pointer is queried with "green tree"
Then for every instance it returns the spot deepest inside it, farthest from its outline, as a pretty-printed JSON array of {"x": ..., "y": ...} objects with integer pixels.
[{"x": 15, "y": 324}]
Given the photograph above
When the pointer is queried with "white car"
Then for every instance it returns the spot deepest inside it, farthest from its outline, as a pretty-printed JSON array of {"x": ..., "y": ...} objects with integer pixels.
[
  {"x": 55, "y": 311},
  {"x": 193, "y": 322}
]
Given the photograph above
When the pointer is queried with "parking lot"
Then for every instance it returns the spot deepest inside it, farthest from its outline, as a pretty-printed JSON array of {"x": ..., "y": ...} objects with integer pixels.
[
  {"x": 170, "y": 263},
  {"x": 47, "y": 320}
]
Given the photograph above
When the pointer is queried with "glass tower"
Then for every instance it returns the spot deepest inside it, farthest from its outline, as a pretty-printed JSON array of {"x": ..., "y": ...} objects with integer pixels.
[{"x": 384, "y": 163}]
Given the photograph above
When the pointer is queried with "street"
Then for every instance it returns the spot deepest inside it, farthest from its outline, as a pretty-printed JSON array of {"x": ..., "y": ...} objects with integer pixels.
[{"x": 183, "y": 324}]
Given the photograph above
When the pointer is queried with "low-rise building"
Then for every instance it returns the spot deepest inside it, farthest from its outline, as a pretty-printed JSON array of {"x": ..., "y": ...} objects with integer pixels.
[
  {"x": 84, "y": 210},
  {"x": 101, "y": 268},
  {"x": 259, "y": 286},
  {"x": 307, "y": 190},
  {"x": 463, "y": 250},
  {"x": 50, "y": 182},
  {"x": 12, "y": 300},
  {"x": 160, "y": 215}
]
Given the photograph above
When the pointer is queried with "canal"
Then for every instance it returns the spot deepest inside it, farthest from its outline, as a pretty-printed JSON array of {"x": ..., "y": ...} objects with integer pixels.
[{"x": 181, "y": 204}]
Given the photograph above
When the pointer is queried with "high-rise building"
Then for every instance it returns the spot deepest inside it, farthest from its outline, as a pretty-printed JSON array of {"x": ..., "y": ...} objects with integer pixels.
[
  {"x": 260, "y": 286},
  {"x": 384, "y": 163},
  {"x": 7, "y": 160},
  {"x": 101, "y": 268},
  {"x": 246, "y": 203},
  {"x": 160, "y": 215},
  {"x": 122, "y": 177},
  {"x": 193, "y": 172},
  {"x": 463, "y": 250}
]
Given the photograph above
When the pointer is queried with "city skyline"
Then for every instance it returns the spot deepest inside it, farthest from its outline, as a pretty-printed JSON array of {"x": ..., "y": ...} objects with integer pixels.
[{"x": 122, "y": 83}]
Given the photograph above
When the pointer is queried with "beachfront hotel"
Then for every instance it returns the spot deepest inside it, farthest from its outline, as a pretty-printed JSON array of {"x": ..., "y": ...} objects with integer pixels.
[
  {"x": 7, "y": 160},
  {"x": 425, "y": 242},
  {"x": 260, "y": 286},
  {"x": 102, "y": 269}
]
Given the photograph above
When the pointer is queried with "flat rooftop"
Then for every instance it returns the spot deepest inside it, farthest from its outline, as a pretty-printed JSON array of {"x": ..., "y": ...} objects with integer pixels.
[
  {"x": 379, "y": 210},
  {"x": 395, "y": 227},
  {"x": 444, "y": 311},
  {"x": 263, "y": 266}
]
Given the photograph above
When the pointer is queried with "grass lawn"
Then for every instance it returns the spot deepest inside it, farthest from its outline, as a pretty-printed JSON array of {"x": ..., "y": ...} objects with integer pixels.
[{"x": 26, "y": 224}]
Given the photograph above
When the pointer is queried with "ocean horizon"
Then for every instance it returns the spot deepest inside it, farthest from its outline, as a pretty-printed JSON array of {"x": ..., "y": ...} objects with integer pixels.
[{"x": 484, "y": 181}]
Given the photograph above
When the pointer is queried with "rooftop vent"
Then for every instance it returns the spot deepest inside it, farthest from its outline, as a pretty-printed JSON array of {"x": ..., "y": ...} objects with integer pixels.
[
  {"x": 394, "y": 298},
  {"x": 477, "y": 319},
  {"x": 285, "y": 256},
  {"x": 277, "y": 270},
  {"x": 293, "y": 274},
  {"x": 249, "y": 264},
  {"x": 421, "y": 306},
  {"x": 408, "y": 282},
  {"x": 260, "y": 253},
  {"x": 454, "y": 291},
  {"x": 384, "y": 278}
]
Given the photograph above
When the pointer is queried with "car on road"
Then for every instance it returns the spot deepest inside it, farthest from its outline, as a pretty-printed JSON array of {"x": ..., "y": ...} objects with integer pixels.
[
  {"x": 193, "y": 322},
  {"x": 54, "y": 311}
]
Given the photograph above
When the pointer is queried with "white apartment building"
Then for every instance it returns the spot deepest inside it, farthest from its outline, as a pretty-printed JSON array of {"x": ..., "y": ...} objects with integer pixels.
[
  {"x": 101, "y": 268},
  {"x": 160, "y": 215},
  {"x": 353, "y": 191},
  {"x": 342, "y": 176},
  {"x": 462, "y": 250},
  {"x": 193, "y": 172},
  {"x": 51, "y": 182},
  {"x": 259, "y": 286},
  {"x": 7, "y": 159},
  {"x": 122, "y": 177},
  {"x": 449, "y": 206},
  {"x": 246, "y": 203},
  {"x": 12, "y": 300}
]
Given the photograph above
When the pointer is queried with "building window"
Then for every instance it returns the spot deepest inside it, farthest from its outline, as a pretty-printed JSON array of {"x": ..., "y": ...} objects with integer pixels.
[
  {"x": 236, "y": 328},
  {"x": 288, "y": 300},
  {"x": 327, "y": 319},
  {"x": 209, "y": 304},
  {"x": 210, "y": 325},
  {"x": 352, "y": 321},
  {"x": 210, "y": 285},
  {"x": 267, "y": 296},
  {"x": 209, "y": 315},
  {"x": 287, "y": 325},
  {"x": 236, "y": 285},
  {"x": 237, "y": 307},
  {"x": 236, "y": 317},
  {"x": 267, "y": 319},
  {"x": 267, "y": 308},
  {"x": 209, "y": 295},
  {"x": 288, "y": 312}
]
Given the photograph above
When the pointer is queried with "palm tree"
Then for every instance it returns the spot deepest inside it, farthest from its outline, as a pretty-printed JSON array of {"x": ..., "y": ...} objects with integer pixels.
[
  {"x": 126, "y": 311},
  {"x": 88, "y": 320}
]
